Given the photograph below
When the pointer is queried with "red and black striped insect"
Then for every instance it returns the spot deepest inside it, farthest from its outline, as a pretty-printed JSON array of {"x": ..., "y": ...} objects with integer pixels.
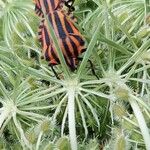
[{"x": 70, "y": 39}]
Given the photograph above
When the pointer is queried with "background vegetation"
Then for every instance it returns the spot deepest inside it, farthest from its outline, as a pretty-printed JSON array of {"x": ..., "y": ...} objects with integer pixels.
[{"x": 40, "y": 112}]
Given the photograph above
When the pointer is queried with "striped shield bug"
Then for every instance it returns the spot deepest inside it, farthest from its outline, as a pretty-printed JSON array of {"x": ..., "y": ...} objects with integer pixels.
[{"x": 70, "y": 39}]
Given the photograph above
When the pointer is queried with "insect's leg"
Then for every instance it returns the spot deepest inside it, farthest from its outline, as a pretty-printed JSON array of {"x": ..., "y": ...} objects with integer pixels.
[
  {"x": 55, "y": 73},
  {"x": 92, "y": 67}
]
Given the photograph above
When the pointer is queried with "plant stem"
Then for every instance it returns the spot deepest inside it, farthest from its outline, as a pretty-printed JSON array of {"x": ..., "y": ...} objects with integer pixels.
[
  {"x": 71, "y": 117},
  {"x": 108, "y": 35},
  {"x": 89, "y": 50}
]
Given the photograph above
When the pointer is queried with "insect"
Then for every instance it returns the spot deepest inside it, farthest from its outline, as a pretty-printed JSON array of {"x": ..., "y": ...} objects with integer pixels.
[{"x": 70, "y": 39}]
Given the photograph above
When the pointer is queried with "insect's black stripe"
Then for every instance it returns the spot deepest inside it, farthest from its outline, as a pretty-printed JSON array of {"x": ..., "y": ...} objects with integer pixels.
[
  {"x": 66, "y": 47},
  {"x": 47, "y": 39},
  {"x": 60, "y": 29},
  {"x": 47, "y": 55},
  {"x": 67, "y": 25},
  {"x": 50, "y": 19},
  {"x": 54, "y": 55},
  {"x": 72, "y": 65},
  {"x": 79, "y": 39},
  {"x": 75, "y": 49},
  {"x": 67, "y": 61},
  {"x": 46, "y": 6},
  {"x": 52, "y": 4}
]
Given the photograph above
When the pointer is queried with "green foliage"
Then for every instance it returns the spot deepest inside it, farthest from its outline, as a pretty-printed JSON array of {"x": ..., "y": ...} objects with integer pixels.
[{"x": 79, "y": 111}]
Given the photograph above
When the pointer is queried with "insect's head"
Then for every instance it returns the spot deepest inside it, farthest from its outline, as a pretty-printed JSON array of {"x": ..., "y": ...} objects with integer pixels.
[{"x": 69, "y": 4}]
